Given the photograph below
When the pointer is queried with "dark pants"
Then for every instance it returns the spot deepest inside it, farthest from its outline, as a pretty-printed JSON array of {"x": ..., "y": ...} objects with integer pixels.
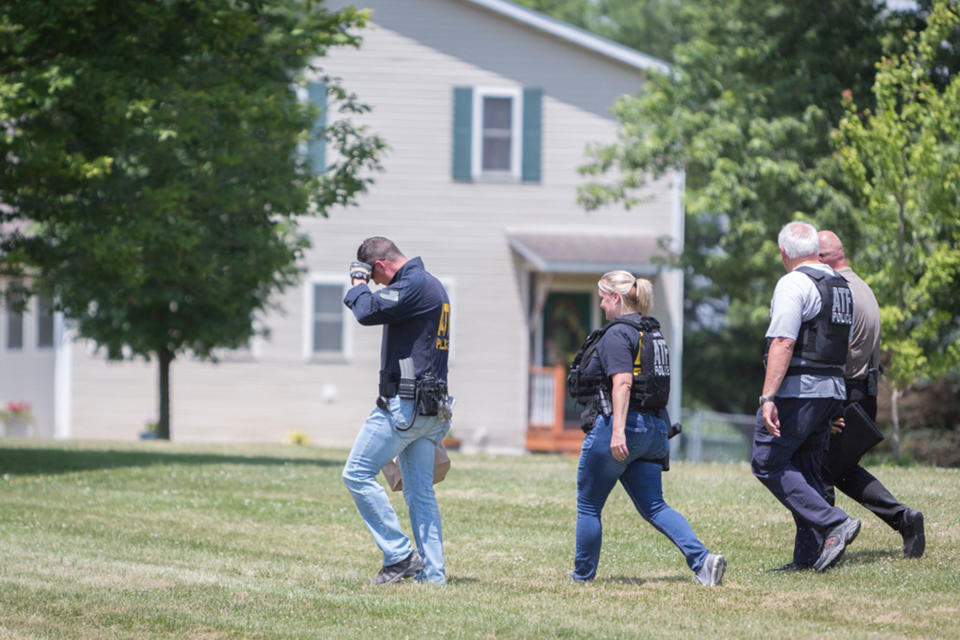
[
  {"x": 857, "y": 482},
  {"x": 789, "y": 466}
]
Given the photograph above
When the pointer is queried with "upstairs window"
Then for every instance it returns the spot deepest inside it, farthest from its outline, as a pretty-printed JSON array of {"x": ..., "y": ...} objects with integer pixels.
[
  {"x": 317, "y": 145},
  {"x": 497, "y": 134}
]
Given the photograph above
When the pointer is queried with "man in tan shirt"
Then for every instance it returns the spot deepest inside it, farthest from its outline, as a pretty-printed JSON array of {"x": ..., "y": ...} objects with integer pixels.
[{"x": 860, "y": 376}]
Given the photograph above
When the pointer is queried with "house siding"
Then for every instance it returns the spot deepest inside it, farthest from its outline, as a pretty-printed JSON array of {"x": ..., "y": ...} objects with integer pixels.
[
  {"x": 413, "y": 56},
  {"x": 27, "y": 374}
]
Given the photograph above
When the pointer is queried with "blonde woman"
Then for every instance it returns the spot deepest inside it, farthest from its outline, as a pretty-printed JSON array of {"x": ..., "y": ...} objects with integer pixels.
[{"x": 622, "y": 372}]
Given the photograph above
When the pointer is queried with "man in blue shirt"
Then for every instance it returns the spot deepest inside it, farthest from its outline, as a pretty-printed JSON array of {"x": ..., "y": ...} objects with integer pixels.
[
  {"x": 803, "y": 390},
  {"x": 414, "y": 310}
]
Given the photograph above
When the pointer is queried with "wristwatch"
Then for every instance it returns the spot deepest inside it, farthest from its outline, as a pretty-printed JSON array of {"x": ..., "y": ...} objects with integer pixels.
[{"x": 765, "y": 399}]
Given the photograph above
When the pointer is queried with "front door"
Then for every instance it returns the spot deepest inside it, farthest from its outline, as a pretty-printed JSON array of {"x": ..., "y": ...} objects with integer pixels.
[{"x": 566, "y": 323}]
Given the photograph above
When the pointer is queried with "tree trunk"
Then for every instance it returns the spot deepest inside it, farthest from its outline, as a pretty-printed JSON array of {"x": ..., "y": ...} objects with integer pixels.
[
  {"x": 895, "y": 392},
  {"x": 164, "y": 357},
  {"x": 895, "y": 414}
]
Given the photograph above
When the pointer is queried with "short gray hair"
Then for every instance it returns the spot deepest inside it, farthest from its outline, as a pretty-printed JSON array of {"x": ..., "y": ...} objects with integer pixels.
[{"x": 799, "y": 239}]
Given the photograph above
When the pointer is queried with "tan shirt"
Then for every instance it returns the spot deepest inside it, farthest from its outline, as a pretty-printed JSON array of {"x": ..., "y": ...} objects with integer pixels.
[{"x": 865, "y": 334}]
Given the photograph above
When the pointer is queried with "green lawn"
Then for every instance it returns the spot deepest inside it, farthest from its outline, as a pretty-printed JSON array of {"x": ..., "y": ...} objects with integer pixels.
[{"x": 159, "y": 540}]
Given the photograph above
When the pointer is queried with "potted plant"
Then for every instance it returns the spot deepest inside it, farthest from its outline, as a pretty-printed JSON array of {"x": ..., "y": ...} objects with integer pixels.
[
  {"x": 149, "y": 432},
  {"x": 16, "y": 416},
  {"x": 298, "y": 438}
]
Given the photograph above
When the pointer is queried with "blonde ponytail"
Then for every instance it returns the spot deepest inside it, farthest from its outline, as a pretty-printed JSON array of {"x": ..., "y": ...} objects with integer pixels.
[{"x": 636, "y": 293}]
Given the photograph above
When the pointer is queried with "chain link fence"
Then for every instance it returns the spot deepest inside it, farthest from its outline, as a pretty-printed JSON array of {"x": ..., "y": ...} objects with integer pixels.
[{"x": 710, "y": 436}]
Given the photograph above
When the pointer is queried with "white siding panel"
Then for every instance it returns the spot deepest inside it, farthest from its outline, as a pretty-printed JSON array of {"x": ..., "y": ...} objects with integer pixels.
[
  {"x": 413, "y": 56},
  {"x": 27, "y": 374}
]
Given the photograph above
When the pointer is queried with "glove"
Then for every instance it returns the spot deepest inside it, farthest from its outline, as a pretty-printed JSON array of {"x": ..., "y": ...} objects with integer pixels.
[{"x": 360, "y": 271}]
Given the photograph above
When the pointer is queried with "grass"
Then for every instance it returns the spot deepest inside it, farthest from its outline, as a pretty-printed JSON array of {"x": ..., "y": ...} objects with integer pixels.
[{"x": 158, "y": 540}]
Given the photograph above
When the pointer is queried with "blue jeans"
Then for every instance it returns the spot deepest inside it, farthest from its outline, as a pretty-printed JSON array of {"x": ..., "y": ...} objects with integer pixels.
[
  {"x": 598, "y": 474},
  {"x": 378, "y": 442}
]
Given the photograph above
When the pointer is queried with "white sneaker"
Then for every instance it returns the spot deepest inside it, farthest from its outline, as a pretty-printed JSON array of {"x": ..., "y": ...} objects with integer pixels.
[{"x": 711, "y": 573}]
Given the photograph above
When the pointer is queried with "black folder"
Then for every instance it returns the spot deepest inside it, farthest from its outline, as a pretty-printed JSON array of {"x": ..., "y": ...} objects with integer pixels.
[{"x": 847, "y": 447}]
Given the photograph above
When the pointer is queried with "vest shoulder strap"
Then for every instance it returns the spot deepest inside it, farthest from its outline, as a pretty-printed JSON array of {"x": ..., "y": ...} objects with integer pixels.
[
  {"x": 589, "y": 346},
  {"x": 641, "y": 323},
  {"x": 815, "y": 274}
]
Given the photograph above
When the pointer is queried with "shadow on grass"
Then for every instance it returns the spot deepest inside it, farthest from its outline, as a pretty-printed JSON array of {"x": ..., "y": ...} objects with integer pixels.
[
  {"x": 639, "y": 581},
  {"x": 868, "y": 556},
  {"x": 26, "y": 461},
  {"x": 853, "y": 558}
]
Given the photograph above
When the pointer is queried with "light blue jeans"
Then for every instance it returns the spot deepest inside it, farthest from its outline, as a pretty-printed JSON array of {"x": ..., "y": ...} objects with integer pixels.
[
  {"x": 598, "y": 474},
  {"x": 378, "y": 442}
]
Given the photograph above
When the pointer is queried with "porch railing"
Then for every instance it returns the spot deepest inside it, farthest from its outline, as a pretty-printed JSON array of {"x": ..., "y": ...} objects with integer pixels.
[
  {"x": 546, "y": 396},
  {"x": 546, "y": 429}
]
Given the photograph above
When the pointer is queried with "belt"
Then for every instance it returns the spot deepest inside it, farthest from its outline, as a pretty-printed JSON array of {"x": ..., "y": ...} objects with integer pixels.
[
  {"x": 833, "y": 372},
  {"x": 388, "y": 388},
  {"x": 645, "y": 410}
]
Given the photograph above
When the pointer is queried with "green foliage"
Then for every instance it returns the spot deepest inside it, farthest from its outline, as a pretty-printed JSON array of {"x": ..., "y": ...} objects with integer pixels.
[
  {"x": 153, "y": 177},
  {"x": 902, "y": 160},
  {"x": 747, "y": 114},
  {"x": 264, "y": 541},
  {"x": 651, "y": 26}
]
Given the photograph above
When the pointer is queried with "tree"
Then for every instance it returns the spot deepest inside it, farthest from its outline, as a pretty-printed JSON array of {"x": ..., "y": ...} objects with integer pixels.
[
  {"x": 153, "y": 173},
  {"x": 747, "y": 114},
  {"x": 651, "y": 26},
  {"x": 902, "y": 162}
]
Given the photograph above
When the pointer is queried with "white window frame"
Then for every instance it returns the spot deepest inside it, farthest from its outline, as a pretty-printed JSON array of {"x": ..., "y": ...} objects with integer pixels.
[
  {"x": 38, "y": 305},
  {"x": 30, "y": 330},
  {"x": 516, "y": 132},
  {"x": 346, "y": 326}
]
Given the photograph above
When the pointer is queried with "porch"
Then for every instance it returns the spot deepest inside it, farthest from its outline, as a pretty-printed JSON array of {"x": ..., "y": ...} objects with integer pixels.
[
  {"x": 550, "y": 428},
  {"x": 558, "y": 275}
]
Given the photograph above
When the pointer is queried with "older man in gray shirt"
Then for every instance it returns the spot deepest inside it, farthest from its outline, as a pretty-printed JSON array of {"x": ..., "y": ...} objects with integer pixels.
[
  {"x": 860, "y": 377},
  {"x": 803, "y": 390}
]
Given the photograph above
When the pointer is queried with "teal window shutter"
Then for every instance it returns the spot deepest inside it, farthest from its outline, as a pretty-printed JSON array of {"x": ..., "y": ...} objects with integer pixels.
[
  {"x": 532, "y": 134},
  {"x": 317, "y": 145},
  {"x": 462, "y": 133}
]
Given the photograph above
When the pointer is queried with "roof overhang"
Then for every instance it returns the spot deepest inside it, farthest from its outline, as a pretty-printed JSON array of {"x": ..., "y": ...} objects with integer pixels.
[
  {"x": 593, "y": 253},
  {"x": 585, "y": 39}
]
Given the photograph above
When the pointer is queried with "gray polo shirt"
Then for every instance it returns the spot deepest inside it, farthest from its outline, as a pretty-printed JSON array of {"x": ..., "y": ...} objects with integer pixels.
[
  {"x": 865, "y": 333},
  {"x": 796, "y": 300}
]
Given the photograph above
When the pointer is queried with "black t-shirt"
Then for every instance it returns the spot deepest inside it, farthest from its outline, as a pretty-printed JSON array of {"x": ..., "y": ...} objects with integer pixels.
[{"x": 615, "y": 352}]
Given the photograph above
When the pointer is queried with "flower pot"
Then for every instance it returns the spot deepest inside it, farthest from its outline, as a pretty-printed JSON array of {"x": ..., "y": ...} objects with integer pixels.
[{"x": 18, "y": 427}]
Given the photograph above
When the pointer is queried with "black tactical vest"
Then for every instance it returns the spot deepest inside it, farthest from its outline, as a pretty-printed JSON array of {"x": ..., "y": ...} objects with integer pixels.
[
  {"x": 651, "y": 367},
  {"x": 824, "y": 339}
]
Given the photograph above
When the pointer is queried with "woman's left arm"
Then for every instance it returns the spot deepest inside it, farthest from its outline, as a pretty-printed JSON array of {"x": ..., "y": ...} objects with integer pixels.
[{"x": 621, "y": 403}]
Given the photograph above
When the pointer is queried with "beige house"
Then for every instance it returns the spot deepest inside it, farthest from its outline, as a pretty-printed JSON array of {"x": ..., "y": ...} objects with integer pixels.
[{"x": 487, "y": 108}]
